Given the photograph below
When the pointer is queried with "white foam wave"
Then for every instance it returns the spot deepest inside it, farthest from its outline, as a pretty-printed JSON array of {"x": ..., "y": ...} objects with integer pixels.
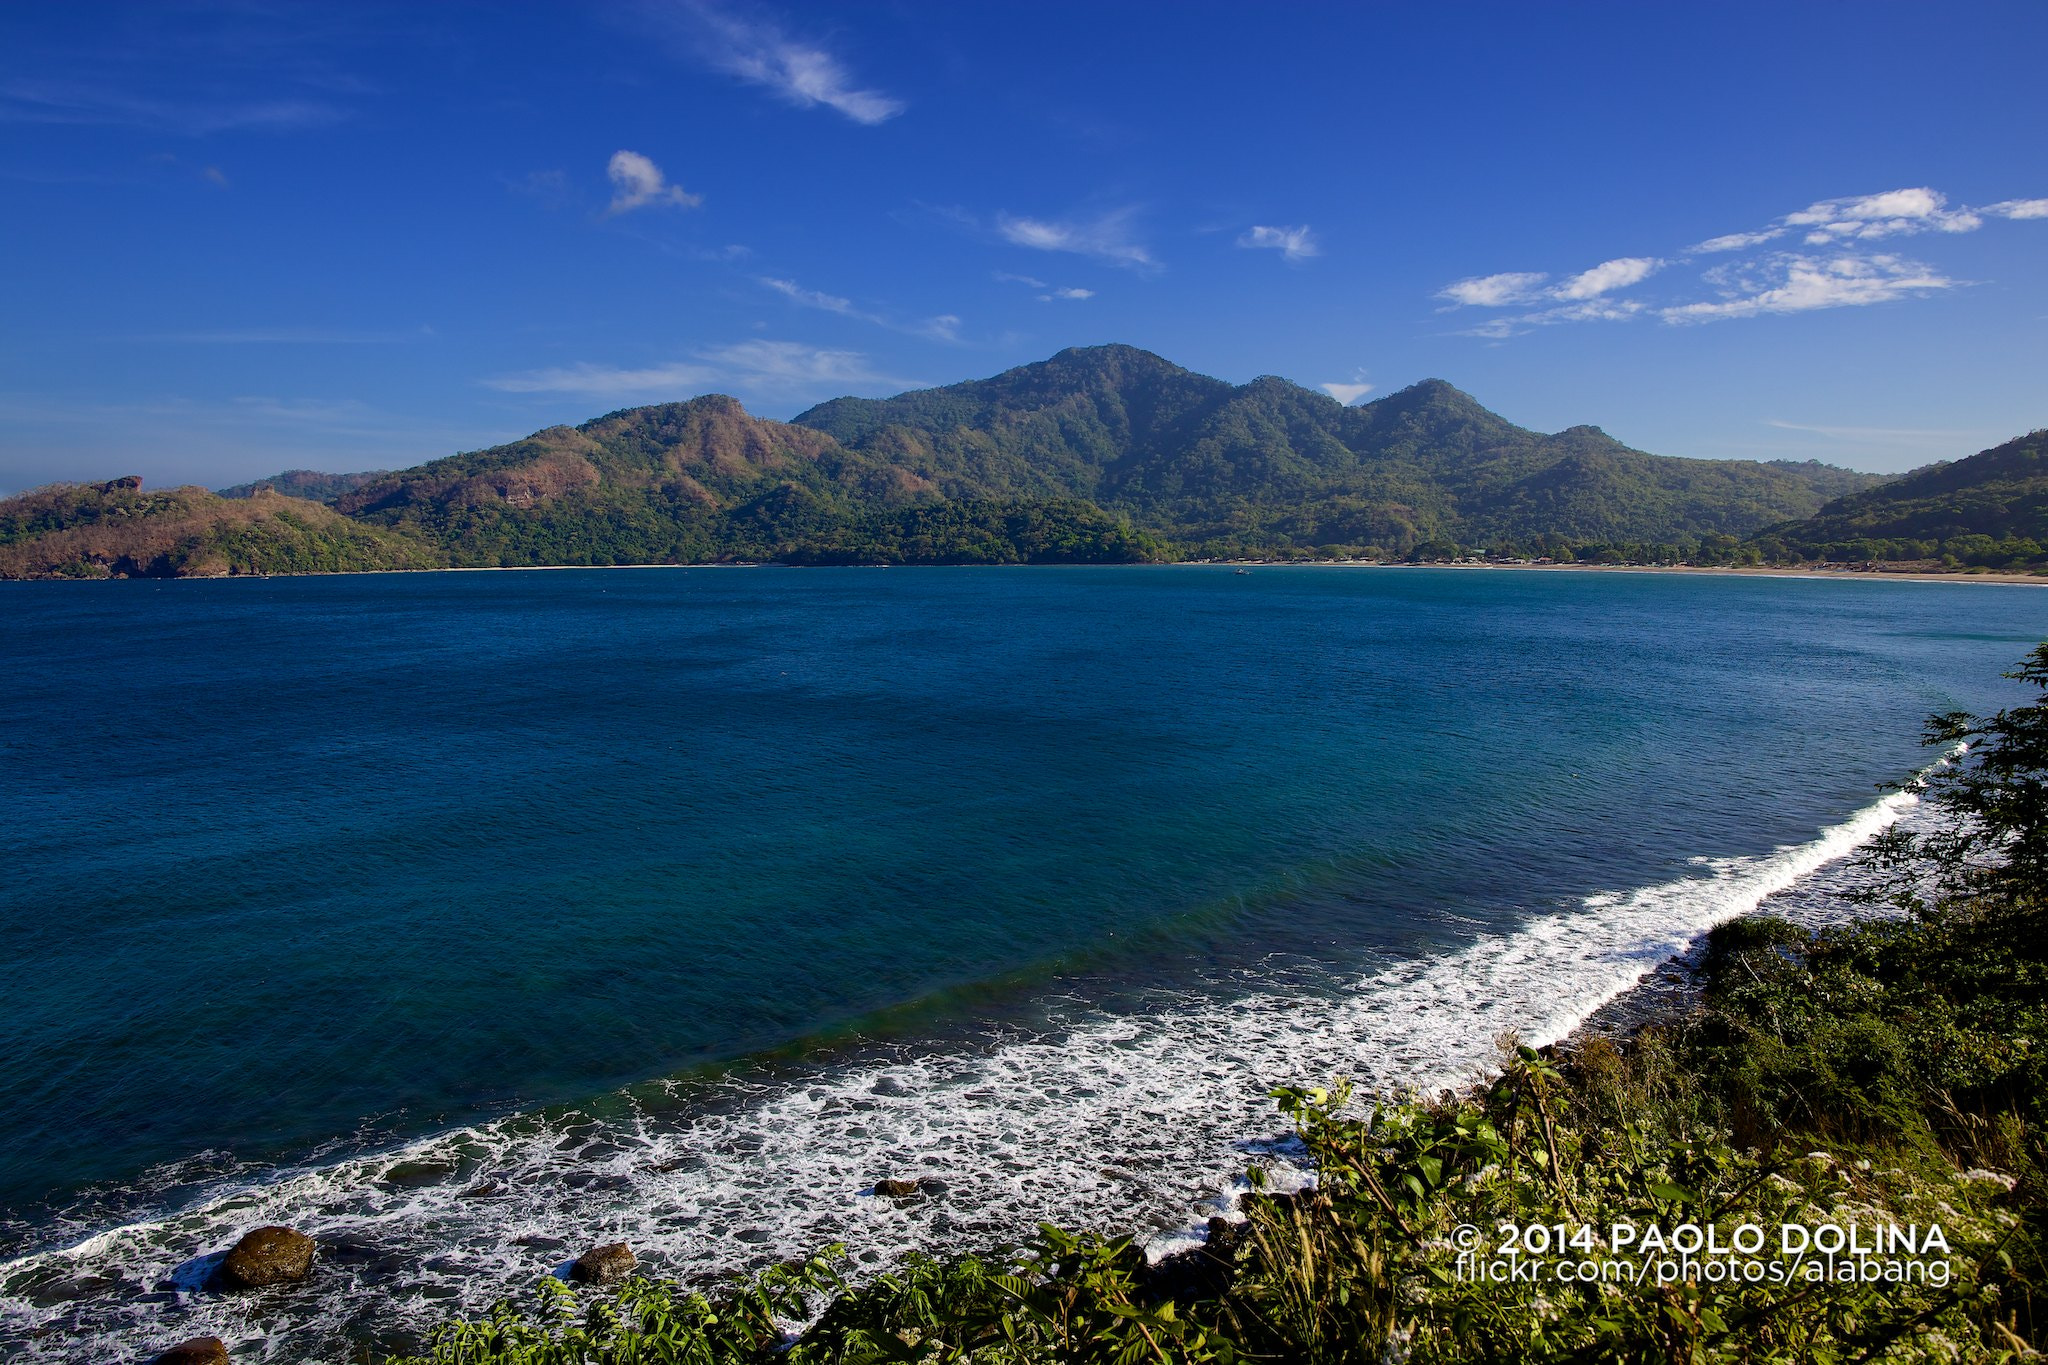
[{"x": 1111, "y": 1121}]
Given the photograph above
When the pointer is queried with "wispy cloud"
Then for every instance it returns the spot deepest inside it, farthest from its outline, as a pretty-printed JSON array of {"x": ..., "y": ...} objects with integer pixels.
[
  {"x": 1736, "y": 241},
  {"x": 287, "y": 336},
  {"x": 771, "y": 369},
  {"x": 2018, "y": 208},
  {"x": 1871, "y": 217},
  {"x": 1867, "y": 217},
  {"x": 607, "y": 381},
  {"x": 1293, "y": 243},
  {"x": 1836, "y": 270},
  {"x": 1884, "y": 433},
  {"x": 1607, "y": 277},
  {"x": 943, "y": 327},
  {"x": 1592, "y": 310},
  {"x": 1047, "y": 293},
  {"x": 637, "y": 182},
  {"x": 1529, "y": 286},
  {"x": 86, "y": 104},
  {"x": 1494, "y": 291},
  {"x": 810, "y": 298},
  {"x": 760, "y": 53},
  {"x": 792, "y": 365},
  {"x": 1106, "y": 237},
  {"x": 1789, "y": 283}
]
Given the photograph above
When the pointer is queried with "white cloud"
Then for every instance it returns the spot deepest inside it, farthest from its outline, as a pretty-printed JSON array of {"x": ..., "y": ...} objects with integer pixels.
[
  {"x": 944, "y": 327},
  {"x": 1067, "y": 293},
  {"x": 790, "y": 365},
  {"x": 800, "y": 73},
  {"x": 2019, "y": 208},
  {"x": 1495, "y": 329},
  {"x": 1891, "y": 214},
  {"x": 288, "y": 336},
  {"x": 1870, "y": 433},
  {"x": 1607, "y": 277},
  {"x": 85, "y": 104},
  {"x": 1350, "y": 391},
  {"x": 605, "y": 381},
  {"x": 1106, "y": 238},
  {"x": 1593, "y": 310},
  {"x": 1590, "y": 310},
  {"x": 1737, "y": 241},
  {"x": 1295, "y": 243},
  {"x": 1841, "y": 273},
  {"x": 1790, "y": 283},
  {"x": 638, "y": 182},
  {"x": 1493, "y": 291},
  {"x": 774, "y": 369},
  {"x": 810, "y": 298}
]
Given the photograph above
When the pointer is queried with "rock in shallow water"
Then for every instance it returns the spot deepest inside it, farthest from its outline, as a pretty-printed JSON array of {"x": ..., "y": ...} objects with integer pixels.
[
  {"x": 604, "y": 1265},
  {"x": 1203, "y": 1272},
  {"x": 267, "y": 1256},
  {"x": 902, "y": 1191},
  {"x": 198, "y": 1351}
]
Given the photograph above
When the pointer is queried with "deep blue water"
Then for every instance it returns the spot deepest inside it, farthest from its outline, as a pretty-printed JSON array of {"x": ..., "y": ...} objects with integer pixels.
[{"x": 299, "y": 868}]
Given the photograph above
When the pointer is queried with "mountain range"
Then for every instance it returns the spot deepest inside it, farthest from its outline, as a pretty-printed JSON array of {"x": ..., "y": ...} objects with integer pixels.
[{"x": 1099, "y": 454}]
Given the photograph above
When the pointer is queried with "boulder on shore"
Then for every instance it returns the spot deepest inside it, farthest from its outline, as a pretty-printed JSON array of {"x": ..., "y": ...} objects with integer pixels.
[
  {"x": 267, "y": 1256},
  {"x": 1199, "y": 1273},
  {"x": 198, "y": 1351},
  {"x": 607, "y": 1264}
]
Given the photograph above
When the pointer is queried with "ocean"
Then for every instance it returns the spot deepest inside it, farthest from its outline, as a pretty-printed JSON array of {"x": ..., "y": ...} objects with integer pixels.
[{"x": 466, "y": 920}]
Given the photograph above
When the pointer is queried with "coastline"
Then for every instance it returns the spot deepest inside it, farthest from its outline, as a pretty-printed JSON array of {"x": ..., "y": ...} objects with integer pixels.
[
  {"x": 2020, "y": 580},
  {"x": 1704, "y": 570},
  {"x": 1139, "y": 1178}
]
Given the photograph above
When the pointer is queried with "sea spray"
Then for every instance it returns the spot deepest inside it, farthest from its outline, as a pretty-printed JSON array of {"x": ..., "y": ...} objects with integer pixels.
[{"x": 1140, "y": 1122}]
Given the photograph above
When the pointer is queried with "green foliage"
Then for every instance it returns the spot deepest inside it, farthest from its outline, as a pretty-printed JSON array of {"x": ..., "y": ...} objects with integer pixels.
[
  {"x": 985, "y": 533},
  {"x": 1989, "y": 511},
  {"x": 703, "y": 481},
  {"x": 1269, "y": 468},
  {"x": 309, "y": 484},
  {"x": 117, "y": 529}
]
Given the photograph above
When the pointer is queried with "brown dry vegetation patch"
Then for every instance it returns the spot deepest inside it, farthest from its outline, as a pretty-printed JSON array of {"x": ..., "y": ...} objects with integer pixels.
[{"x": 118, "y": 530}]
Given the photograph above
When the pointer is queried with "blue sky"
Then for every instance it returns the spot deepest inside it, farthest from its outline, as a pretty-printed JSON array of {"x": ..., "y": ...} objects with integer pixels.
[{"x": 240, "y": 237}]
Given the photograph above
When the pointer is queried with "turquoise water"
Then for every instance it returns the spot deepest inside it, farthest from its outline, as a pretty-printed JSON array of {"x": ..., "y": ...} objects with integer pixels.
[{"x": 309, "y": 880}]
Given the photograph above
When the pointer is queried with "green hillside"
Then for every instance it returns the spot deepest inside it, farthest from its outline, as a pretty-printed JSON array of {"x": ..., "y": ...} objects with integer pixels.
[
  {"x": 1271, "y": 465},
  {"x": 116, "y": 529},
  {"x": 310, "y": 484},
  {"x": 671, "y": 483},
  {"x": 1989, "y": 511}
]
